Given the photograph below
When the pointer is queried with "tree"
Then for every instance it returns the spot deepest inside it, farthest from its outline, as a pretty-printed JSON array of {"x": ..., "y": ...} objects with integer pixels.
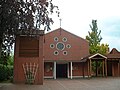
[
  {"x": 22, "y": 16},
  {"x": 94, "y": 39},
  {"x": 103, "y": 48}
]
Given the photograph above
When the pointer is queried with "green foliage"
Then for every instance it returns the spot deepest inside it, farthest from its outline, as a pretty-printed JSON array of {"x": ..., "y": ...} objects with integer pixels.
[
  {"x": 6, "y": 72},
  {"x": 10, "y": 60},
  {"x": 6, "y": 60},
  {"x": 6, "y": 68},
  {"x": 97, "y": 65},
  {"x": 94, "y": 39},
  {"x": 23, "y": 16},
  {"x": 103, "y": 49},
  {"x": 100, "y": 48}
]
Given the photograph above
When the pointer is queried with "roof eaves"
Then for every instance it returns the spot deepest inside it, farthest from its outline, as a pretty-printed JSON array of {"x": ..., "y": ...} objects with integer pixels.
[{"x": 96, "y": 55}]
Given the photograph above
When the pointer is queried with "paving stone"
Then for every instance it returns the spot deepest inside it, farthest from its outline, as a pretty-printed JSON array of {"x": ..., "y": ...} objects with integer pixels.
[{"x": 67, "y": 84}]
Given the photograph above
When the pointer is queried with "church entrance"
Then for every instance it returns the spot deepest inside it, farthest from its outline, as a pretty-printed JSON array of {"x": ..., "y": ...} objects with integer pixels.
[{"x": 61, "y": 71}]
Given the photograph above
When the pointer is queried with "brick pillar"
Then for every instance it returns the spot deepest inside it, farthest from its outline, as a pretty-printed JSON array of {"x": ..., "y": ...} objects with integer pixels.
[
  {"x": 41, "y": 60},
  {"x": 16, "y": 55}
]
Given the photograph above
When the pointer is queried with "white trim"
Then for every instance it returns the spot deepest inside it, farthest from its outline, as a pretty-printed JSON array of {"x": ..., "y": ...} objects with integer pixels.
[
  {"x": 79, "y": 76},
  {"x": 47, "y": 77},
  {"x": 64, "y": 40},
  {"x": 68, "y": 46},
  {"x": 55, "y": 52},
  {"x": 65, "y": 52},
  {"x": 68, "y": 70},
  {"x": 54, "y": 72},
  {"x": 51, "y": 45},
  {"x": 71, "y": 70},
  {"x": 56, "y": 38},
  {"x": 51, "y": 77},
  {"x": 61, "y": 43},
  {"x": 96, "y": 55}
]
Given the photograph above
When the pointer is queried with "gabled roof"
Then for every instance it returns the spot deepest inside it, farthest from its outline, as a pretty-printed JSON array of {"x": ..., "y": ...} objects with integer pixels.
[
  {"x": 63, "y": 30},
  {"x": 114, "y": 54},
  {"x": 97, "y": 54},
  {"x": 114, "y": 51},
  {"x": 92, "y": 56}
]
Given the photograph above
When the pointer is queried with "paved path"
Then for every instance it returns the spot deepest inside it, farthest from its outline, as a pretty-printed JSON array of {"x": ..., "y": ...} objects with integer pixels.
[{"x": 67, "y": 84}]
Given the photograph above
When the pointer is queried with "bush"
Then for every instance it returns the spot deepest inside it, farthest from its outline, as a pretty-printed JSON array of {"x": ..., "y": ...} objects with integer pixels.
[{"x": 6, "y": 72}]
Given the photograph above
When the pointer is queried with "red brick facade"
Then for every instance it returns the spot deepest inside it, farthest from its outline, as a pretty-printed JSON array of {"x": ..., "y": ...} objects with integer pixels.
[
  {"x": 59, "y": 54},
  {"x": 27, "y": 51},
  {"x": 79, "y": 46}
]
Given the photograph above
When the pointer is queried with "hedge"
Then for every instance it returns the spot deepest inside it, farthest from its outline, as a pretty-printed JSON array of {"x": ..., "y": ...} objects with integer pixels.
[{"x": 6, "y": 72}]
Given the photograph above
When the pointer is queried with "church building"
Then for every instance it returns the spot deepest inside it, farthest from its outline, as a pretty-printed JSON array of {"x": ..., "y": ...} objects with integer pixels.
[
  {"x": 59, "y": 54},
  {"x": 63, "y": 52}
]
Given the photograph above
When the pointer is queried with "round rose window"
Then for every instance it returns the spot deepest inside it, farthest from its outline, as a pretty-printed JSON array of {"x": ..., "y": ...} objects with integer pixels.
[{"x": 60, "y": 46}]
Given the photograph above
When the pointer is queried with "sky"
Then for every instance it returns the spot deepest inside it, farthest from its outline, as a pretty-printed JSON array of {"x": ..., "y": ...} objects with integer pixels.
[{"x": 77, "y": 15}]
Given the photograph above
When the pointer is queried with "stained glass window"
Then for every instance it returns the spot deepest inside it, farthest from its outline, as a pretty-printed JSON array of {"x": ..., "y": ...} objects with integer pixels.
[{"x": 60, "y": 46}]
